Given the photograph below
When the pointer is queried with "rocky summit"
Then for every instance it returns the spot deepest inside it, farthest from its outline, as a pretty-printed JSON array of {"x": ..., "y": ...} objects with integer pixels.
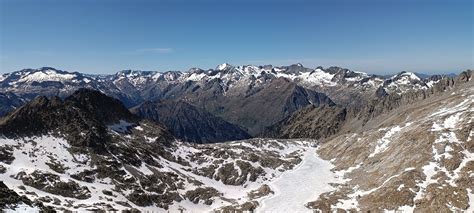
[{"x": 236, "y": 139}]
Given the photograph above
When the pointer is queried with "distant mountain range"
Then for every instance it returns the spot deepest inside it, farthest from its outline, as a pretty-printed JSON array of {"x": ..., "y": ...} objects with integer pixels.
[{"x": 251, "y": 97}]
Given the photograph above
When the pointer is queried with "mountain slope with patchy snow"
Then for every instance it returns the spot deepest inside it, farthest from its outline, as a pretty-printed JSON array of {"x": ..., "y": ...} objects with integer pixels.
[{"x": 418, "y": 157}]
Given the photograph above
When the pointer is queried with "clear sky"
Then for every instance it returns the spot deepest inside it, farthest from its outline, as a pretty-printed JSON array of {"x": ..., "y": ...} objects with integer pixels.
[{"x": 104, "y": 36}]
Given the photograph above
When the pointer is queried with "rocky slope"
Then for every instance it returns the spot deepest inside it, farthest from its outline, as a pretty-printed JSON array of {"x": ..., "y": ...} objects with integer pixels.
[
  {"x": 270, "y": 104},
  {"x": 418, "y": 157},
  {"x": 310, "y": 122},
  {"x": 190, "y": 123},
  {"x": 81, "y": 118},
  {"x": 323, "y": 122}
]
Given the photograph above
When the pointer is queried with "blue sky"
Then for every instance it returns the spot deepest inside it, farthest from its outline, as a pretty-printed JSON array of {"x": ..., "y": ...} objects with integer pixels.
[{"x": 104, "y": 36}]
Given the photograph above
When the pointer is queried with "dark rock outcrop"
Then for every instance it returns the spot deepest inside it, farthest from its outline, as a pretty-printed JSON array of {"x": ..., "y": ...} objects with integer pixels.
[
  {"x": 9, "y": 198},
  {"x": 81, "y": 118}
]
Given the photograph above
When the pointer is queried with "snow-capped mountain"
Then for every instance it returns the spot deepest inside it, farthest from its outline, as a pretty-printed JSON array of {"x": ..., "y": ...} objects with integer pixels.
[
  {"x": 42, "y": 75},
  {"x": 407, "y": 81},
  {"x": 344, "y": 86},
  {"x": 252, "y": 97},
  {"x": 230, "y": 77}
]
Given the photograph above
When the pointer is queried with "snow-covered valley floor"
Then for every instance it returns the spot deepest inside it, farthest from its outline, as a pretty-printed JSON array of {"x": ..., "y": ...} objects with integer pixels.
[{"x": 299, "y": 186}]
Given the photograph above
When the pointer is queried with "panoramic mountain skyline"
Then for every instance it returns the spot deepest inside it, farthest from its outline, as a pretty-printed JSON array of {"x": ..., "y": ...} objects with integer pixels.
[{"x": 107, "y": 36}]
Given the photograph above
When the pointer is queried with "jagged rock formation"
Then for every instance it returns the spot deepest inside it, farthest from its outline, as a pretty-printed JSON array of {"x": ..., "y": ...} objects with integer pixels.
[
  {"x": 389, "y": 102},
  {"x": 189, "y": 122}
]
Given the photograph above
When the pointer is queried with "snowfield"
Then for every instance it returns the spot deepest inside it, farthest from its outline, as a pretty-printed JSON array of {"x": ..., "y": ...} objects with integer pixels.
[
  {"x": 292, "y": 187},
  {"x": 299, "y": 186}
]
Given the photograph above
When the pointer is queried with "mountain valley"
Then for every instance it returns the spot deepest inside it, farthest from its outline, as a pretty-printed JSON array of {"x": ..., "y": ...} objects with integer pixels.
[{"x": 235, "y": 139}]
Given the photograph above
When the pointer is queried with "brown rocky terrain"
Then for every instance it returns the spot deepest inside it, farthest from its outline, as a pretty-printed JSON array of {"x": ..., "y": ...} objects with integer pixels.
[{"x": 417, "y": 157}]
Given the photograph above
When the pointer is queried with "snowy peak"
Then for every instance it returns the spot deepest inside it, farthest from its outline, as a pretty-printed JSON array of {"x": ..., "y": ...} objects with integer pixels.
[
  {"x": 136, "y": 78},
  {"x": 44, "y": 75},
  {"x": 224, "y": 66},
  {"x": 47, "y": 74},
  {"x": 135, "y": 73},
  {"x": 405, "y": 75},
  {"x": 404, "y": 82},
  {"x": 133, "y": 87}
]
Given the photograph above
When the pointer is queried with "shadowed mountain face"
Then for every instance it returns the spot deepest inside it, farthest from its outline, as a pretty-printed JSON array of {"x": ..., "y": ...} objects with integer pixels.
[
  {"x": 264, "y": 106},
  {"x": 8, "y": 102},
  {"x": 189, "y": 122}
]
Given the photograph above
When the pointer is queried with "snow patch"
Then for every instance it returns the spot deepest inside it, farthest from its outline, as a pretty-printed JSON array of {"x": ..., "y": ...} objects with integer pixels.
[
  {"x": 121, "y": 127},
  {"x": 384, "y": 142}
]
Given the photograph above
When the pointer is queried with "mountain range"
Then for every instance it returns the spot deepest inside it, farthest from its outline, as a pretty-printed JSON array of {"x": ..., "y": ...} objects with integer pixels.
[
  {"x": 251, "y": 97},
  {"x": 236, "y": 138}
]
